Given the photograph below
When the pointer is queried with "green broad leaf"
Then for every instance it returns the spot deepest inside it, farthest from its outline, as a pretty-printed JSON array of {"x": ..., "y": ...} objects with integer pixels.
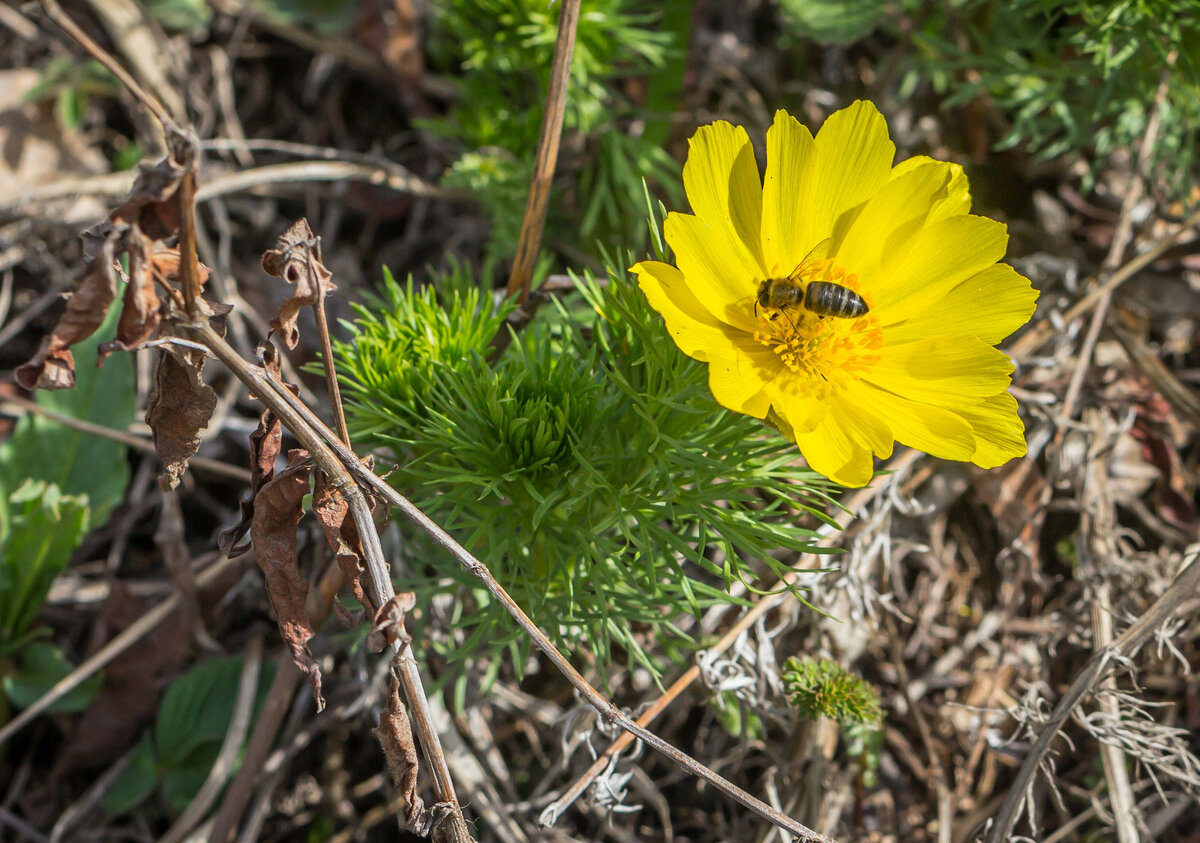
[
  {"x": 834, "y": 21},
  {"x": 197, "y": 709},
  {"x": 136, "y": 782},
  {"x": 78, "y": 463},
  {"x": 192, "y": 722},
  {"x": 181, "y": 783},
  {"x": 42, "y": 666},
  {"x": 44, "y": 529}
]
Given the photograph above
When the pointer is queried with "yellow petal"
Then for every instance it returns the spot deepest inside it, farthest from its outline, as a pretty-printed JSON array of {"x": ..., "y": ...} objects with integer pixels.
[
  {"x": 854, "y": 160},
  {"x": 791, "y": 163},
  {"x": 948, "y": 371},
  {"x": 722, "y": 183},
  {"x": 739, "y": 367},
  {"x": 889, "y": 221},
  {"x": 999, "y": 431},
  {"x": 942, "y": 255},
  {"x": 737, "y": 379},
  {"x": 839, "y": 450},
  {"x": 990, "y": 305},
  {"x": 934, "y": 430},
  {"x": 718, "y": 280},
  {"x": 958, "y": 197},
  {"x": 794, "y": 398}
]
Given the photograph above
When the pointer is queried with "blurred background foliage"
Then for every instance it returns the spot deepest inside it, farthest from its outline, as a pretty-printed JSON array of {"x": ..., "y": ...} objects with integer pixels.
[{"x": 1074, "y": 80}]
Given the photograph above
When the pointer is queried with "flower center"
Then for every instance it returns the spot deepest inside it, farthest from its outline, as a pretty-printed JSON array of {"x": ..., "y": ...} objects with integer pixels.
[{"x": 828, "y": 351}]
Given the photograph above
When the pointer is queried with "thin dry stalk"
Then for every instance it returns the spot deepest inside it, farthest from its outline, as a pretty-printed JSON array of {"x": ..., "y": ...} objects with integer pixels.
[
  {"x": 304, "y": 425},
  {"x": 1182, "y": 588},
  {"x": 127, "y": 638},
  {"x": 17, "y": 406},
  {"x": 860, "y": 499},
  {"x": 295, "y": 411},
  {"x": 534, "y": 221}
]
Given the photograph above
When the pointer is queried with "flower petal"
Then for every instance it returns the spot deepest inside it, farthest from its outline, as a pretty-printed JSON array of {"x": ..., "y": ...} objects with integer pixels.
[
  {"x": 854, "y": 160},
  {"x": 999, "y": 431},
  {"x": 843, "y": 445},
  {"x": 934, "y": 430},
  {"x": 947, "y": 371},
  {"x": 794, "y": 399},
  {"x": 791, "y": 164},
  {"x": 990, "y": 304},
  {"x": 739, "y": 367},
  {"x": 889, "y": 221},
  {"x": 723, "y": 186},
  {"x": 958, "y": 196},
  {"x": 722, "y": 285},
  {"x": 942, "y": 256}
]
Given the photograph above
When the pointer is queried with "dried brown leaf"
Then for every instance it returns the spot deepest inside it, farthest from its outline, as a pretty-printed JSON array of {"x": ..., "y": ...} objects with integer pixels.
[
  {"x": 1152, "y": 431},
  {"x": 53, "y": 367},
  {"x": 333, "y": 512},
  {"x": 151, "y": 204},
  {"x": 399, "y": 749},
  {"x": 140, "y": 313},
  {"x": 392, "y": 30},
  {"x": 387, "y": 627},
  {"x": 180, "y": 405},
  {"x": 278, "y": 507},
  {"x": 265, "y": 444},
  {"x": 296, "y": 260}
]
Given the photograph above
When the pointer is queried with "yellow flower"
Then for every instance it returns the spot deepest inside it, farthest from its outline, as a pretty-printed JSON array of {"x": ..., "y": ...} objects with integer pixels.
[{"x": 918, "y": 367}]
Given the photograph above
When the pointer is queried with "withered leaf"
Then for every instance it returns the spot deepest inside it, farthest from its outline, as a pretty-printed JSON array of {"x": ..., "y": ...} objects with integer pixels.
[
  {"x": 179, "y": 407},
  {"x": 141, "y": 310},
  {"x": 278, "y": 508},
  {"x": 140, "y": 306},
  {"x": 151, "y": 204},
  {"x": 396, "y": 737},
  {"x": 265, "y": 444},
  {"x": 333, "y": 512},
  {"x": 387, "y": 627},
  {"x": 53, "y": 367},
  {"x": 295, "y": 259}
]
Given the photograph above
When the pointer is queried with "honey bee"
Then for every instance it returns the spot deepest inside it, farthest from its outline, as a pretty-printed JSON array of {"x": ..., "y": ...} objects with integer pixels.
[{"x": 824, "y": 298}]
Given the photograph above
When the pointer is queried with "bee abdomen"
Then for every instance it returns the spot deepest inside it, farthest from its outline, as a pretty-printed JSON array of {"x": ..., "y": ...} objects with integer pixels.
[{"x": 825, "y": 298}]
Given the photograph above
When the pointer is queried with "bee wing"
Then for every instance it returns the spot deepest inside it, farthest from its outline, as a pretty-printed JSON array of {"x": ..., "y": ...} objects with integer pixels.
[
  {"x": 820, "y": 252},
  {"x": 816, "y": 255}
]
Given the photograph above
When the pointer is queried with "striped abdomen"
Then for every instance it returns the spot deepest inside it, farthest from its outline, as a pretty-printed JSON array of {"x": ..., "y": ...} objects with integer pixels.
[{"x": 825, "y": 298}]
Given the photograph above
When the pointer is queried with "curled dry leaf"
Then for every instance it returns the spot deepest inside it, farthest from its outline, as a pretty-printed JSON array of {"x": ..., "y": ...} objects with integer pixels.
[
  {"x": 265, "y": 444},
  {"x": 151, "y": 204},
  {"x": 278, "y": 508},
  {"x": 333, "y": 512},
  {"x": 396, "y": 737},
  {"x": 388, "y": 625},
  {"x": 53, "y": 367},
  {"x": 141, "y": 309},
  {"x": 296, "y": 260},
  {"x": 180, "y": 405}
]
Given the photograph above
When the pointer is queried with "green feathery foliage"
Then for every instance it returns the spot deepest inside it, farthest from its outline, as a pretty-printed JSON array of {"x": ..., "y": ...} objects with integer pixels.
[
  {"x": 823, "y": 688},
  {"x": 588, "y": 467},
  {"x": 499, "y": 52},
  {"x": 1071, "y": 76}
]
